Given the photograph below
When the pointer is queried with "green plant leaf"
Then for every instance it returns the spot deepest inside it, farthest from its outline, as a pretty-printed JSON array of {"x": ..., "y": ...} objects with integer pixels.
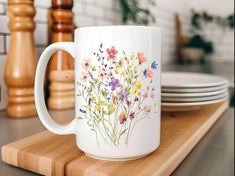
[
  {"x": 95, "y": 81},
  {"x": 132, "y": 11}
]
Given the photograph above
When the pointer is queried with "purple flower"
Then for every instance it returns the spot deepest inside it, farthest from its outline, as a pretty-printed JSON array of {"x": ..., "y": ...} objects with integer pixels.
[
  {"x": 114, "y": 83},
  {"x": 132, "y": 115},
  {"x": 123, "y": 119},
  {"x": 99, "y": 85},
  {"x": 123, "y": 95},
  {"x": 91, "y": 83},
  {"x": 90, "y": 74}
]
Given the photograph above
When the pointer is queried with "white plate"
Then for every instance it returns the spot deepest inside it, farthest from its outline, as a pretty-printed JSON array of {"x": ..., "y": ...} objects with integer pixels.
[
  {"x": 191, "y": 80},
  {"x": 175, "y": 107},
  {"x": 195, "y": 99},
  {"x": 203, "y": 94},
  {"x": 193, "y": 90}
]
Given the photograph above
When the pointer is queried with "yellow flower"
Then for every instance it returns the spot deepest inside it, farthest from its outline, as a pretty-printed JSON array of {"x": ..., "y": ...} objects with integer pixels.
[
  {"x": 123, "y": 117},
  {"x": 111, "y": 108},
  {"x": 134, "y": 90},
  {"x": 120, "y": 66},
  {"x": 138, "y": 84},
  {"x": 99, "y": 104},
  {"x": 126, "y": 72},
  {"x": 93, "y": 98},
  {"x": 132, "y": 56},
  {"x": 123, "y": 113}
]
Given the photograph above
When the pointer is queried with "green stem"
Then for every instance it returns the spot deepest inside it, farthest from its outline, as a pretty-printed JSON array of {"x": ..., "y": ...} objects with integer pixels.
[
  {"x": 128, "y": 133},
  {"x": 119, "y": 135},
  {"x": 134, "y": 127},
  {"x": 104, "y": 130},
  {"x": 116, "y": 118}
]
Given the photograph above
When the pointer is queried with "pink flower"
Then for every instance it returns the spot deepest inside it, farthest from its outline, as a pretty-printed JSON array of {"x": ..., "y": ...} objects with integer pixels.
[
  {"x": 111, "y": 53},
  {"x": 141, "y": 58},
  {"x": 86, "y": 64},
  {"x": 101, "y": 74},
  {"x": 84, "y": 76},
  {"x": 146, "y": 108},
  {"x": 145, "y": 95},
  {"x": 149, "y": 73},
  {"x": 153, "y": 95}
]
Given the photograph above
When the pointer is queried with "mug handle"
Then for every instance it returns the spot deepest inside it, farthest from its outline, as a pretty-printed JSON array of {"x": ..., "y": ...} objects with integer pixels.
[{"x": 43, "y": 113}]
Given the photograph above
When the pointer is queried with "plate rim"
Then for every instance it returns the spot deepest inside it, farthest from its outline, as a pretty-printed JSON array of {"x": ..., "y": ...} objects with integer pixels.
[
  {"x": 196, "y": 99},
  {"x": 224, "y": 82},
  {"x": 194, "y": 103},
  {"x": 193, "y": 90},
  {"x": 192, "y": 95}
]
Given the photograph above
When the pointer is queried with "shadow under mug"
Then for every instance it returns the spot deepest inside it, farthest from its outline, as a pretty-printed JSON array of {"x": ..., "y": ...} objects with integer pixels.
[{"x": 117, "y": 91}]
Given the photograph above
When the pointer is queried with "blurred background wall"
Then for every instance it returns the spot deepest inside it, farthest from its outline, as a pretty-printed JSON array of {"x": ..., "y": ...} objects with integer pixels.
[
  {"x": 223, "y": 40},
  {"x": 216, "y": 7},
  {"x": 108, "y": 12}
]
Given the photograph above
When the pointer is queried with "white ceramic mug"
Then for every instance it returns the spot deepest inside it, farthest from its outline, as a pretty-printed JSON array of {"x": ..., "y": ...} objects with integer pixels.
[{"x": 117, "y": 82}]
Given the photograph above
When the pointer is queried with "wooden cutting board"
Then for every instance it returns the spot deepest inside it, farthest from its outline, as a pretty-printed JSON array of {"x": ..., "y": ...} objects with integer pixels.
[{"x": 50, "y": 154}]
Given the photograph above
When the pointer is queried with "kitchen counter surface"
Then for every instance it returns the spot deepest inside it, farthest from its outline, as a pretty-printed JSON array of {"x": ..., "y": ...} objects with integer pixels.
[{"x": 212, "y": 156}]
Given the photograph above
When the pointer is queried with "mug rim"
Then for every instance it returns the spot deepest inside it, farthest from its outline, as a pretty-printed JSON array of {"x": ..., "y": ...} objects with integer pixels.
[{"x": 118, "y": 27}]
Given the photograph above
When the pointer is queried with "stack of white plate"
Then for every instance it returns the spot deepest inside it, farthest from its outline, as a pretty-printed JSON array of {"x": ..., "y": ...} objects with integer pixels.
[{"x": 183, "y": 91}]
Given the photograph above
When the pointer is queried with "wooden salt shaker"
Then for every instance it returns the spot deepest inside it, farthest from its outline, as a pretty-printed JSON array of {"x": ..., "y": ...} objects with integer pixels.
[
  {"x": 21, "y": 59},
  {"x": 61, "y": 68}
]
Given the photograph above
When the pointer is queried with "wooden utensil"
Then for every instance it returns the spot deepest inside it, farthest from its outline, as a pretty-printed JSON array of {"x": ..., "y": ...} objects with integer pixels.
[
  {"x": 21, "y": 59},
  {"x": 61, "y": 89},
  {"x": 61, "y": 74}
]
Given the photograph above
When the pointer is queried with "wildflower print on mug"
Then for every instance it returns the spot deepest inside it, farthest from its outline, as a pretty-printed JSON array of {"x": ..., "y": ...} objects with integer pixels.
[{"x": 116, "y": 93}]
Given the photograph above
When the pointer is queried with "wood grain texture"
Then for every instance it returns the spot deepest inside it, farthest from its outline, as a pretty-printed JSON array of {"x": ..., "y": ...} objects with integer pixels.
[
  {"x": 62, "y": 94},
  {"x": 49, "y": 154},
  {"x": 61, "y": 63},
  {"x": 21, "y": 59},
  {"x": 62, "y": 30}
]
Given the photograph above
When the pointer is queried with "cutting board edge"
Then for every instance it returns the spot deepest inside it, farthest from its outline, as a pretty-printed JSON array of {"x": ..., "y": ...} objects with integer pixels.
[
  {"x": 191, "y": 142},
  {"x": 167, "y": 167}
]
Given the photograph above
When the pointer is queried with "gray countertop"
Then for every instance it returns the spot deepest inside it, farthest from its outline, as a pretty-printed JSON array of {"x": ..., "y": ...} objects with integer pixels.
[{"x": 212, "y": 156}]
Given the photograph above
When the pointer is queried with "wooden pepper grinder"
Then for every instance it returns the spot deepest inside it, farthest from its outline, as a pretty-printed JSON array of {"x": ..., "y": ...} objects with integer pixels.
[
  {"x": 21, "y": 59},
  {"x": 61, "y": 68}
]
